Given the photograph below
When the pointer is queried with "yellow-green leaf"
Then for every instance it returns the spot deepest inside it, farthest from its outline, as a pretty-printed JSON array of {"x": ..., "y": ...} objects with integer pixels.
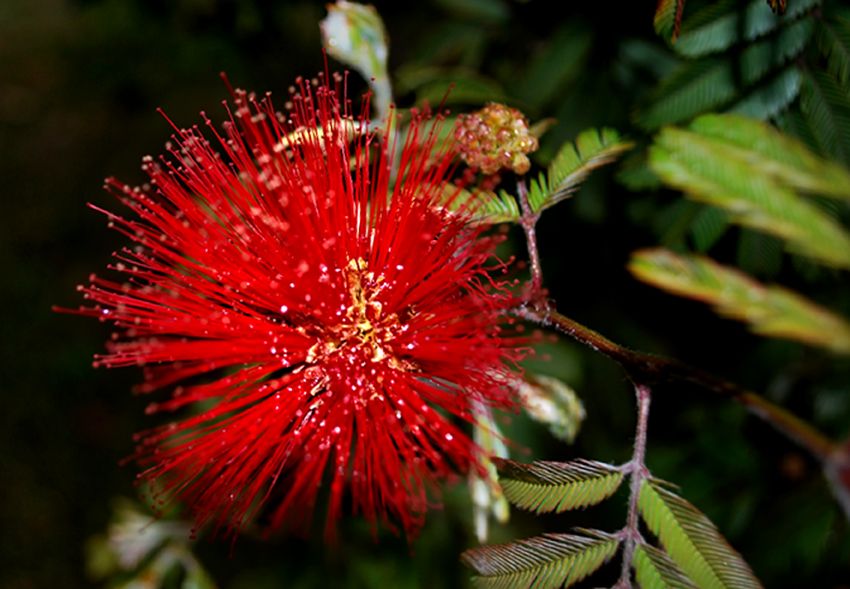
[
  {"x": 545, "y": 486},
  {"x": 709, "y": 171},
  {"x": 654, "y": 570},
  {"x": 769, "y": 310},
  {"x": 775, "y": 154},
  {"x": 692, "y": 541},
  {"x": 547, "y": 561}
]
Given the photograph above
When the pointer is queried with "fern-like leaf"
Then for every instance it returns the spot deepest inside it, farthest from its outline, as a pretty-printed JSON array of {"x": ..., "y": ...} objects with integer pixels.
[
  {"x": 769, "y": 310},
  {"x": 833, "y": 38},
  {"x": 483, "y": 206},
  {"x": 826, "y": 106},
  {"x": 593, "y": 149},
  {"x": 668, "y": 19},
  {"x": 772, "y": 96},
  {"x": 708, "y": 227},
  {"x": 557, "y": 486},
  {"x": 708, "y": 172},
  {"x": 692, "y": 541},
  {"x": 655, "y": 570},
  {"x": 542, "y": 562},
  {"x": 759, "y": 80},
  {"x": 722, "y": 24}
]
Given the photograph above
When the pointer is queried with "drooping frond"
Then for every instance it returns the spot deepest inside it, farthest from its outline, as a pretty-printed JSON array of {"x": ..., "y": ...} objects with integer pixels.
[
  {"x": 542, "y": 562},
  {"x": 545, "y": 486},
  {"x": 692, "y": 541}
]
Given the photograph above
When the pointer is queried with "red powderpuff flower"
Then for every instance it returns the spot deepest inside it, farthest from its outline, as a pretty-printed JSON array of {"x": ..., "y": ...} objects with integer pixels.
[{"x": 324, "y": 323}]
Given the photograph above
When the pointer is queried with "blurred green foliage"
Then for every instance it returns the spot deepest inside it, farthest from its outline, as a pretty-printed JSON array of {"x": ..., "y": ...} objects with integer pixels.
[{"x": 79, "y": 84}]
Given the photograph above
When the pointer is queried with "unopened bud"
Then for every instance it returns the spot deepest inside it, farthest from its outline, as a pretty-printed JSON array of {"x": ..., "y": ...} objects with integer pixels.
[{"x": 495, "y": 138}]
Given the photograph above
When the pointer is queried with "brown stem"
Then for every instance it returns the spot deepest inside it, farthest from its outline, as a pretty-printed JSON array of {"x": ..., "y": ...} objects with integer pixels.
[
  {"x": 630, "y": 534},
  {"x": 528, "y": 221},
  {"x": 650, "y": 369}
]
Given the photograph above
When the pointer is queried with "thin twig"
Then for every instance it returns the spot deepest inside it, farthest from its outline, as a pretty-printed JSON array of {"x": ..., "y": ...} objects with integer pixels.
[
  {"x": 528, "y": 221},
  {"x": 630, "y": 534},
  {"x": 650, "y": 369}
]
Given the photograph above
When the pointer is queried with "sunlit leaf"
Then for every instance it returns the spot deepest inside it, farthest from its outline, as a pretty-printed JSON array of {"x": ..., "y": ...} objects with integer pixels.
[
  {"x": 769, "y": 310},
  {"x": 709, "y": 171},
  {"x": 544, "y": 486},
  {"x": 775, "y": 154},
  {"x": 547, "y": 561},
  {"x": 692, "y": 541}
]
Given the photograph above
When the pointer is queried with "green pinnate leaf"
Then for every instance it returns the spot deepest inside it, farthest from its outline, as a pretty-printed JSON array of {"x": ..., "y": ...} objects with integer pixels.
[
  {"x": 545, "y": 486},
  {"x": 771, "y": 97},
  {"x": 592, "y": 149},
  {"x": 833, "y": 39},
  {"x": 760, "y": 76},
  {"x": 542, "y": 562},
  {"x": 825, "y": 105},
  {"x": 709, "y": 171},
  {"x": 723, "y": 24},
  {"x": 654, "y": 570},
  {"x": 692, "y": 541},
  {"x": 483, "y": 206}
]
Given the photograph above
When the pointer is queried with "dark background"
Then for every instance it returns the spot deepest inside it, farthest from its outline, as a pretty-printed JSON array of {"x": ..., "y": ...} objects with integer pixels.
[{"x": 79, "y": 84}]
